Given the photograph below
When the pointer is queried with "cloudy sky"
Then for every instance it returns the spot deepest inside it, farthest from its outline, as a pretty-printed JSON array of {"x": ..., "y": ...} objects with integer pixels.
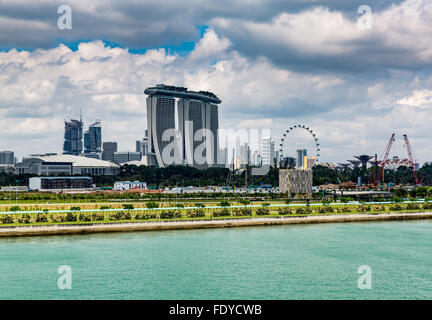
[{"x": 273, "y": 63}]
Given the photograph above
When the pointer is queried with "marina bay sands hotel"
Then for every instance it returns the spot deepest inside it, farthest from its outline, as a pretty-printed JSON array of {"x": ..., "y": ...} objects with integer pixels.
[{"x": 190, "y": 145}]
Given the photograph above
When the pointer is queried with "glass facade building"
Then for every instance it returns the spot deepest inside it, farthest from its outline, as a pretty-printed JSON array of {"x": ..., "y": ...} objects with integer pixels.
[
  {"x": 108, "y": 151},
  {"x": 7, "y": 157},
  {"x": 93, "y": 138}
]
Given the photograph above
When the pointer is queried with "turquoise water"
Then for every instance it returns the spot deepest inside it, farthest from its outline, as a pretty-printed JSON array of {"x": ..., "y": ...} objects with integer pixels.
[{"x": 280, "y": 262}]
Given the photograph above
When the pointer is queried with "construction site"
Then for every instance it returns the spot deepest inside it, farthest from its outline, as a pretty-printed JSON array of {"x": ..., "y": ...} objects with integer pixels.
[{"x": 378, "y": 171}]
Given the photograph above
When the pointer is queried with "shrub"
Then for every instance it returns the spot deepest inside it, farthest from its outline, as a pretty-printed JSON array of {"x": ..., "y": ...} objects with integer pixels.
[
  {"x": 179, "y": 205},
  {"x": 141, "y": 216},
  {"x": 284, "y": 211},
  {"x": 427, "y": 206},
  {"x": 75, "y": 208},
  {"x": 119, "y": 216},
  {"x": 167, "y": 214},
  {"x": 325, "y": 209},
  {"x": 104, "y": 208},
  {"x": 346, "y": 199},
  {"x": 379, "y": 208},
  {"x": 128, "y": 206},
  {"x": 244, "y": 201},
  {"x": 152, "y": 215},
  {"x": 199, "y": 205},
  {"x": 6, "y": 219},
  {"x": 413, "y": 206},
  {"x": 196, "y": 213},
  {"x": 15, "y": 208},
  {"x": 152, "y": 205},
  {"x": 344, "y": 209},
  {"x": 303, "y": 210},
  {"x": 262, "y": 212},
  {"x": 396, "y": 207},
  {"x": 25, "y": 218},
  {"x": 246, "y": 211},
  {"x": 365, "y": 208},
  {"x": 70, "y": 217},
  {"x": 146, "y": 216},
  {"x": 84, "y": 217},
  {"x": 57, "y": 218},
  {"x": 40, "y": 217},
  {"x": 221, "y": 213},
  {"x": 224, "y": 203},
  {"x": 115, "y": 216},
  {"x": 238, "y": 212},
  {"x": 98, "y": 217}
]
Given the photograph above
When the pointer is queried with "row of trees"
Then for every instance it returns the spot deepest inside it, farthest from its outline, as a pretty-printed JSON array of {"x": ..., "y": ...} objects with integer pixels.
[{"x": 183, "y": 176}]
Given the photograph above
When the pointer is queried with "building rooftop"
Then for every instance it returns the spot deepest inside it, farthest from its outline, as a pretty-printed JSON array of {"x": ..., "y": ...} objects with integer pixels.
[
  {"x": 77, "y": 161},
  {"x": 60, "y": 177},
  {"x": 181, "y": 92}
]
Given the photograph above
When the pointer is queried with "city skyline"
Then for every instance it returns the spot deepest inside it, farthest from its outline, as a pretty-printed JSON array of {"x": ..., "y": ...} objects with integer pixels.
[{"x": 333, "y": 85}]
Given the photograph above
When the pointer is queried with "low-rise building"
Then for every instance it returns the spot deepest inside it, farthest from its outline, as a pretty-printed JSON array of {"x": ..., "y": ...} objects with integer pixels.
[
  {"x": 123, "y": 157},
  {"x": 65, "y": 164},
  {"x": 127, "y": 185},
  {"x": 60, "y": 183}
]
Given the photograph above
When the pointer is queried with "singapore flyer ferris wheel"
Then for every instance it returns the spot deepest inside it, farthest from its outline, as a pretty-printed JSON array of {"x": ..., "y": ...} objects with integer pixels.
[{"x": 301, "y": 143}]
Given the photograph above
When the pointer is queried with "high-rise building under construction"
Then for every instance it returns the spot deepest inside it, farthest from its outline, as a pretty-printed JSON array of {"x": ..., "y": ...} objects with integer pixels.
[{"x": 73, "y": 136}]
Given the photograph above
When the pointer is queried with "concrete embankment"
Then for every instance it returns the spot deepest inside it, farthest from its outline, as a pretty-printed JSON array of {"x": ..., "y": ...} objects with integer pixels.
[{"x": 86, "y": 228}]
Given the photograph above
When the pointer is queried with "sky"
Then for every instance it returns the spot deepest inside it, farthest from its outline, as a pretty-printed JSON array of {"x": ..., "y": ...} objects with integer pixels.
[{"x": 274, "y": 64}]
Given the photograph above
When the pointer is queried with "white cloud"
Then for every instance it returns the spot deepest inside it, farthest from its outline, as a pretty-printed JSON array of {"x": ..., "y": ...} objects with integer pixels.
[
  {"x": 210, "y": 46},
  {"x": 352, "y": 113},
  {"x": 419, "y": 99}
]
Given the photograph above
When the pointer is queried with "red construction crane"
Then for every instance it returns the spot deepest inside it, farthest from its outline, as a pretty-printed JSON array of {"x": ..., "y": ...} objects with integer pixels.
[
  {"x": 411, "y": 158},
  {"x": 384, "y": 160}
]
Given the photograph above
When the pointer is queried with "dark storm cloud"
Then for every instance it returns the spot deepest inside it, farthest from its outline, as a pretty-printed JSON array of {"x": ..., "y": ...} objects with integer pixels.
[{"x": 141, "y": 24}]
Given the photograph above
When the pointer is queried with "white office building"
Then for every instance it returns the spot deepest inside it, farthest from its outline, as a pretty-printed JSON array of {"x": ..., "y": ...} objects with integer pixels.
[{"x": 267, "y": 152}]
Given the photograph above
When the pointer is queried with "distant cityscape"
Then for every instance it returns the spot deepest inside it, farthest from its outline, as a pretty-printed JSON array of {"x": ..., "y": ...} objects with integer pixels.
[
  {"x": 183, "y": 130},
  {"x": 168, "y": 107}
]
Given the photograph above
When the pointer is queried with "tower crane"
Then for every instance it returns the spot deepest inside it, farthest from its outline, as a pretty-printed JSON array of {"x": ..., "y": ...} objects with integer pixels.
[
  {"x": 384, "y": 160},
  {"x": 411, "y": 158}
]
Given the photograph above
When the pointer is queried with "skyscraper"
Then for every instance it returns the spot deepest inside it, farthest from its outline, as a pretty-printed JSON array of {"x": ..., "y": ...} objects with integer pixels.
[
  {"x": 141, "y": 146},
  {"x": 267, "y": 153},
  {"x": 93, "y": 138},
  {"x": 301, "y": 154},
  {"x": 108, "y": 150},
  {"x": 73, "y": 137},
  {"x": 195, "y": 111},
  {"x": 7, "y": 157}
]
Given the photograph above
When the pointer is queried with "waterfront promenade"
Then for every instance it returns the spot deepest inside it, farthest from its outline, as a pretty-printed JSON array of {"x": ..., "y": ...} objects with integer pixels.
[{"x": 86, "y": 228}]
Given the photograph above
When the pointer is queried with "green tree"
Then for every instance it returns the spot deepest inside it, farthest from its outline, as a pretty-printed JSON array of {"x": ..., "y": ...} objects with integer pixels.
[
  {"x": 224, "y": 204},
  {"x": 152, "y": 205}
]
